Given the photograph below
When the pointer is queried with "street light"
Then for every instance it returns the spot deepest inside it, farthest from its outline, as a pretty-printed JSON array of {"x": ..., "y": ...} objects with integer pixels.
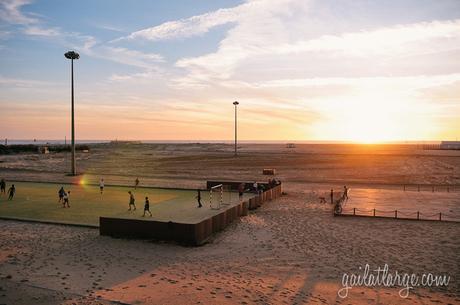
[
  {"x": 236, "y": 134},
  {"x": 72, "y": 55}
]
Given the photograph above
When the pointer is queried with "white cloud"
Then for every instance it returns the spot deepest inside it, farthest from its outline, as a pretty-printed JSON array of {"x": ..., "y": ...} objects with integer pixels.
[
  {"x": 282, "y": 37},
  {"x": 17, "y": 82},
  {"x": 136, "y": 77},
  {"x": 4, "y": 34},
  {"x": 201, "y": 24},
  {"x": 109, "y": 27},
  {"x": 87, "y": 44},
  {"x": 395, "y": 40},
  {"x": 10, "y": 11},
  {"x": 192, "y": 26},
  {"x": 125, "y": 56},
  {"x": 269, "y": 48},
  {"x": 259, "y": 26},
  {"x": 412, "y": 82},
  {"x": 39, "y": 31}
]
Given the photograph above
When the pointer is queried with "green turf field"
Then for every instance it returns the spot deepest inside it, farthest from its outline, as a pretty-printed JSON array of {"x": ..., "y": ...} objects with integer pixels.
[{"x": 39, "y": 201}]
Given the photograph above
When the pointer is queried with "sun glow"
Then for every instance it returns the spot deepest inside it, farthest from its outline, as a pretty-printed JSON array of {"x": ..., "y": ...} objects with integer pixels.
[
  {"x": 370, "y": 119},
  {"x": 363, "y": 123}
]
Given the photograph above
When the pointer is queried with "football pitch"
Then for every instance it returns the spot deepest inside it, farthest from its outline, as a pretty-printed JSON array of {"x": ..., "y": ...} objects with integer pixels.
[{"x": 40, "y": 202}]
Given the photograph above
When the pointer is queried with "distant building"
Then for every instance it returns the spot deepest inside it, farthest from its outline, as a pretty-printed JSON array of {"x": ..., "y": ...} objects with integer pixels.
[{"x": 450, "y": 145}]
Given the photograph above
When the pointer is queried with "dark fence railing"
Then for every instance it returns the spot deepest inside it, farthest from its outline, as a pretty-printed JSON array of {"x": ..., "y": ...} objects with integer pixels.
[
  {"x": 398, "y": 214},
  {"x": 431, "y": 188}
]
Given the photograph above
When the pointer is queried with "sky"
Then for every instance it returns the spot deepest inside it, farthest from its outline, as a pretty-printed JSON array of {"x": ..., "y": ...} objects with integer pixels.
[{"x": 305, "y": 70}]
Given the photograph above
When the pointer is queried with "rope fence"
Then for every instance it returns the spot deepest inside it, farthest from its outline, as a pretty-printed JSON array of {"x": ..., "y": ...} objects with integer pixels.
[{"x": 397, "y": 214}]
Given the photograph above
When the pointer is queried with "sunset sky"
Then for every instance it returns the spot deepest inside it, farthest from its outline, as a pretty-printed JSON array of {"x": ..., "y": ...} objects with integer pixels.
[{"x": 363, "y": 71}]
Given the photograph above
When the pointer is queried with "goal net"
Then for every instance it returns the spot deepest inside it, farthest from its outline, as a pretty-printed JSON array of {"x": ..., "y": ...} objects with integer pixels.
[
  {"x": 227, "y": 195},
  {"x": 216, "y": 196}
]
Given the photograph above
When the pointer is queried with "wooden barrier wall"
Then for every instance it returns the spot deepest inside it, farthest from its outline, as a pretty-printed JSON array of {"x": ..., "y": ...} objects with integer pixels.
[{"x": 265, "y": 196}]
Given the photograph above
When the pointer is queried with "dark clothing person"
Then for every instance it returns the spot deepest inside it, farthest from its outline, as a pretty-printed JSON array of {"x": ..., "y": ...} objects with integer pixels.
[
  {"x": 147, "y": 207},
  {"x": 260, "y": 189},
  {"x": 345, "y": 192},
  {"x": 136, "y": 183},
  {"x": 198, "y": 198},
  {"x": 131, "y": 201},
  {"x": 61, "y": 194},
  {"x": 2, "y": 186},
  {"x": 101, "y": 185},
  {"x": 332, "y": 196},
  {"x": 11, "y": 192},
  {"x": 241, "y": 190},
  {"x": 255, "y": 187}
]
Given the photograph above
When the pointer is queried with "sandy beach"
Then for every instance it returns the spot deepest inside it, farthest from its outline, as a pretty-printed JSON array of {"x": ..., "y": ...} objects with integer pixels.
[{"x": 290, "y": 251}]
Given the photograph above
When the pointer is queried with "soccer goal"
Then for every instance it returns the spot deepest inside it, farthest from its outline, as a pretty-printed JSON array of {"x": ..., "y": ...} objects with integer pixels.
[{"x": 216, "y": 196}]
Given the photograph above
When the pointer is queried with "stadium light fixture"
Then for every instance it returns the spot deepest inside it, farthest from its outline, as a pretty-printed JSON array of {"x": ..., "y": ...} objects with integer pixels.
[
  {"x": 236, "y": 130},
  {"x": 72, "y": 55}
]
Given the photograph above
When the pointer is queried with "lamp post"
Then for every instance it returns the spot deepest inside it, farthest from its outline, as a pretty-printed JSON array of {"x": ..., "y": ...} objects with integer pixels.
[
  {"x": 236, "y": 133},
  {"x": 72, "y": 55}
]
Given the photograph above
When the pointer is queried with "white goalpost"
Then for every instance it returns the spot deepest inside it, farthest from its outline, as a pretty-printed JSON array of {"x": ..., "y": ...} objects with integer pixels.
[{"x": 216, "y": 196}]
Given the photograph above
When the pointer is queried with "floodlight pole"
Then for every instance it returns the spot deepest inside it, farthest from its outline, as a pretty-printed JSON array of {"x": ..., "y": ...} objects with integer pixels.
[
  {"x": 72, "y": 55},
  {"x": 74, "y": 167},
  {"x": 236, "y": 128}
]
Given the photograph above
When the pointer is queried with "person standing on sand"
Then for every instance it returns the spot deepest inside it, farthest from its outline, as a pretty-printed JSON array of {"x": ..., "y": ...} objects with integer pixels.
[
  {"x": 61, "y": 194},
  {"x": 101, "y": 185},
  {"x": 131, "y": 201},
  {"x": 345, "y": 192},
  {"x": 255, "y": 187},
  {"x": 136, "y": 183},
  {"x": 2, "y": 186},
  {"x": 147, "y": 207},
  {"x": 198, "y": 198},
  {"x": 332, "y": 196},
  {"x": 11, "y": 192}
]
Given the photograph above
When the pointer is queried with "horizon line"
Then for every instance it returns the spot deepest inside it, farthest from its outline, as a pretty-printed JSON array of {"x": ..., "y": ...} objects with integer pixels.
[{"x": 205, "y": 141}]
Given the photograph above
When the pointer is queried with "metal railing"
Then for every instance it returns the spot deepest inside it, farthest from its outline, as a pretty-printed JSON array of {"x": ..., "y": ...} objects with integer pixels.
[
  {"x": 398, "y": 214},
  {"x": 431, "y": 188}
]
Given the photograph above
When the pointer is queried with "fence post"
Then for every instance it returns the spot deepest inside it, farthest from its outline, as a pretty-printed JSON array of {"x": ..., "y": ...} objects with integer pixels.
[
  {"x": 439, "y": 216},
  {"x": 374, "y": 212},
  {"x": 396, "y": 213},
  {"x": 418, "y": 215},
  {"x": 354, "y": 211}
]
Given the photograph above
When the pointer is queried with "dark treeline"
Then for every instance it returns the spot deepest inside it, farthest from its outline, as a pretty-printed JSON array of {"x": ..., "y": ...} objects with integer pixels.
[{"x": 31, "y": 148}]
